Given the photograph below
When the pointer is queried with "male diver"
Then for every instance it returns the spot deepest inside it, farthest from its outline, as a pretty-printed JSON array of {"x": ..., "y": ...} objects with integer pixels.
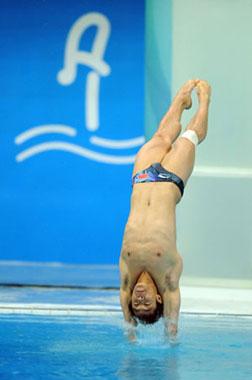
[{"x": 150, "y": 264}]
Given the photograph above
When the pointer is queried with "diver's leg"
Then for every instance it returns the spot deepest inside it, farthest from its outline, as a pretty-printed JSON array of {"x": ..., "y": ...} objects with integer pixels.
[
  {"x": 170, "y": 126},
  {"x": 199, "y": 122},
  {"x": 180, "y": 160},
  {"x": 169, "y": 129}
]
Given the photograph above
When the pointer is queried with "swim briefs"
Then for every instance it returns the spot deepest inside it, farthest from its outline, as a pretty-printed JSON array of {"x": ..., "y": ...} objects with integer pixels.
[{"x": 156, "y": 173}]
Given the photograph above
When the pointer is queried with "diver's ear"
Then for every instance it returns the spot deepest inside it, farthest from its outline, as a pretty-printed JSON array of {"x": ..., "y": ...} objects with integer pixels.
[{"x": 159, "y": 298}]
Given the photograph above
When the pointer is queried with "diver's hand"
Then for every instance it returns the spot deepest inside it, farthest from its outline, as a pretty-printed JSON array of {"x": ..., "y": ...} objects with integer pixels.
[
  {"x": 132, "y": 335},
  {"x": 171, "y": 330},
  {"x": 130, "y": 331}
]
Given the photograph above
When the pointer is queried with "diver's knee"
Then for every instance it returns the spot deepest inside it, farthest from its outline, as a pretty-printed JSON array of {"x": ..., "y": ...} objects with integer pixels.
[{"x": 162, "y": 138}]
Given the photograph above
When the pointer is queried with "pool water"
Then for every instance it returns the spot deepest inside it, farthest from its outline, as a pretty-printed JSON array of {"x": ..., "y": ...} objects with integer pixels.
[{"x": 94, "y": 347}]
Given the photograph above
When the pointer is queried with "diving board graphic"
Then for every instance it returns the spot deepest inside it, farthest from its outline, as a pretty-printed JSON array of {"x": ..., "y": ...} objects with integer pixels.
[{"x": 93, "y": 60}]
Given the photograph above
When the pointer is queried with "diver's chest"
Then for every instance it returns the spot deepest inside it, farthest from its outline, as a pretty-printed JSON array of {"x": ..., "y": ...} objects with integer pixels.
[{"x": 140, "y": 259}]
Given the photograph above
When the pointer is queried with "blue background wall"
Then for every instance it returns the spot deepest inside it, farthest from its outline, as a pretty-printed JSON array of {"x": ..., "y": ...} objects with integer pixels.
[{"x": 68, "y": 203}]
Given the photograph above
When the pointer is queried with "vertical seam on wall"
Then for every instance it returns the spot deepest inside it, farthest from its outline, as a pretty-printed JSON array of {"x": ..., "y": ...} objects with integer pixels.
[{"x": 158, "y": 62}]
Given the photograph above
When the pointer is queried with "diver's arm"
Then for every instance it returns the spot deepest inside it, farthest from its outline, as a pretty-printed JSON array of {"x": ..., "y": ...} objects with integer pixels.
[
  {"x": 130, "y": 321},
  {"x": 125, "y": 299},
  {"x": 171, "y": 300}
]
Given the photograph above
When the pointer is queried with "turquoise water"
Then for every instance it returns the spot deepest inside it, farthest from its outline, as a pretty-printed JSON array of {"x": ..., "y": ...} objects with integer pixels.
[{"x": 94, "y": 347}]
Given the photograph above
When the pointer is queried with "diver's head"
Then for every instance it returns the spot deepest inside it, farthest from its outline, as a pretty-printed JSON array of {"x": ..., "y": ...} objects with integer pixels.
[{"x": 146, "y": 303}]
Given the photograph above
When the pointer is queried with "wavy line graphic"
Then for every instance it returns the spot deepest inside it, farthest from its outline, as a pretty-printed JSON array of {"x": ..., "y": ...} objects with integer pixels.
[
  {"x": 45, "y": 129},
  {"x": 117, "y": 144},
  {"x": 75, "y": 149}
]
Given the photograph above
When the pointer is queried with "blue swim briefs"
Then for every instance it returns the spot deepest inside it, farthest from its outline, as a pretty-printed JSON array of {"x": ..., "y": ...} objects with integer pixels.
[{"x": 156, "y": 173}]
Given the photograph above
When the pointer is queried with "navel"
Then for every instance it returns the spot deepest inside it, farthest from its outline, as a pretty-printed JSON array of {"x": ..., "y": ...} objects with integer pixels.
[{"x": 158, "y": 254}]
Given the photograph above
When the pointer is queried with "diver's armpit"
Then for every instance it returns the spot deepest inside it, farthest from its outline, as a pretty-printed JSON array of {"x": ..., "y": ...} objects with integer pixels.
[{"x": 125, "y": 282}]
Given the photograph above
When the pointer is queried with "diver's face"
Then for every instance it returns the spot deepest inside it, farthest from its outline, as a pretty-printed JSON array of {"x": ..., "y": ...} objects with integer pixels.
[{"x": 144, "y": 298}]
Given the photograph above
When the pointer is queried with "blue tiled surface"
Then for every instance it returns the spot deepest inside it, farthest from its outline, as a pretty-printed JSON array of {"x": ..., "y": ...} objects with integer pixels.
[
  {"x": 100, "y": 276},
  {"x": 31, "y": 295}
]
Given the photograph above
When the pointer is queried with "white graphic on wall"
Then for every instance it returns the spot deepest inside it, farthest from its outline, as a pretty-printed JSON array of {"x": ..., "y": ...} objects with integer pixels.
[{"x": 93, "y": 59}]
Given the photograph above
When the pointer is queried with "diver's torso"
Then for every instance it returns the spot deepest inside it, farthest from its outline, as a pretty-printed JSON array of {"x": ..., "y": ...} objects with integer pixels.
[{"x": 149, "y": 242}]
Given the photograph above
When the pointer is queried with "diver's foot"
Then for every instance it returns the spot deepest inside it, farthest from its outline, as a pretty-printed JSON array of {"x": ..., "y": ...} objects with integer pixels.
[
  {"x": 199, "y": 122},
  {"x": 203, "y": 90},
  {"x": 183, "y": 96}
]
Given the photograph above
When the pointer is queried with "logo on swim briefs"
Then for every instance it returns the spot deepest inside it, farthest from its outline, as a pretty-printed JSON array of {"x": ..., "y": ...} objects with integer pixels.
[
  {"x": 93, "y": 59},
  {"x": 163, "y": 175},
  {"x": 143, "y": 176}
]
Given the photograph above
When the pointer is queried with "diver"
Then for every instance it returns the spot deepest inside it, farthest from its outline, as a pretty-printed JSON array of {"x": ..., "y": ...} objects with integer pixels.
[{"x": 150, "y": 264}]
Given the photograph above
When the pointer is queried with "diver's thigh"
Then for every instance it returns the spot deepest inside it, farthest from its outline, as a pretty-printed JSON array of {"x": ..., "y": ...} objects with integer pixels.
[
  {"x": 152, "y": 151},
  {"x": 180, "y": 159}
]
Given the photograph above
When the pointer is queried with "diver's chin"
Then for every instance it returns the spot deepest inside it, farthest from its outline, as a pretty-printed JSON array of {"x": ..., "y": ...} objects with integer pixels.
[{"x": 140, "y": 287}]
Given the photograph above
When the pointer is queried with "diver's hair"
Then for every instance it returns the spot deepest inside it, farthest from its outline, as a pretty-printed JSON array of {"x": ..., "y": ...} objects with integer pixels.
[{"x": 148, "y": 319}]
